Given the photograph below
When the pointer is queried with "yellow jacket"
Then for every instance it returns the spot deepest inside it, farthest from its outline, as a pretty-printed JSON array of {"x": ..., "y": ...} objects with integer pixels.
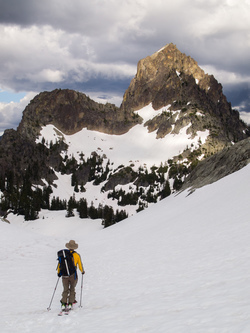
[{"x": 77, "y": 262}]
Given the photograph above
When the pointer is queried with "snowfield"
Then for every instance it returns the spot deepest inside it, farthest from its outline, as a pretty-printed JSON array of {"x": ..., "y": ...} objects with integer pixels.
[
  {"x": 137, "y": 146},
  {"x": 181, "y": 266}
]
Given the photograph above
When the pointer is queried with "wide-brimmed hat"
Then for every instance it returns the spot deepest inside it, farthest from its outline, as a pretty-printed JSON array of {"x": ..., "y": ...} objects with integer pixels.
[{"x": 71, "y": 245}]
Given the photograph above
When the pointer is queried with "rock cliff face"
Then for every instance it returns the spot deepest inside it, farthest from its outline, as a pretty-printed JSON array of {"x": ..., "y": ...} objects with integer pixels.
[
  {"x": 213, "y": 168},
  {"x": 70, "y": 111},
  {"x": 169, "y": 77}
]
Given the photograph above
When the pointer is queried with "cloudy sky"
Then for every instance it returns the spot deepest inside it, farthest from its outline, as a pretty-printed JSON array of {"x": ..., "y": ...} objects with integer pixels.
[{"x": 94, "y": 46}]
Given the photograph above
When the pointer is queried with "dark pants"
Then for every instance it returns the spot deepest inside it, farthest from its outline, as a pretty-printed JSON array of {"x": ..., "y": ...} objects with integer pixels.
[{"x": 69, "y": 285}]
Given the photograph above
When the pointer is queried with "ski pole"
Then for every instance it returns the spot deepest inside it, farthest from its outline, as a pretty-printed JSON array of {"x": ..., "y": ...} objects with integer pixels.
[
  {"x": 81, "y": 293},
  {"x": 53, "y": 294}
]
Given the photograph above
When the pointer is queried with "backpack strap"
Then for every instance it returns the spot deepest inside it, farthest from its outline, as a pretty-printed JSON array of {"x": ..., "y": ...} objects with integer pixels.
[{"x": 66, "y": 264}]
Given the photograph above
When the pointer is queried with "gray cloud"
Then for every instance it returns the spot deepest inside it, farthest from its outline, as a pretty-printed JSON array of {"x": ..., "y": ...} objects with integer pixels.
[{"x": 94, "y": 46}]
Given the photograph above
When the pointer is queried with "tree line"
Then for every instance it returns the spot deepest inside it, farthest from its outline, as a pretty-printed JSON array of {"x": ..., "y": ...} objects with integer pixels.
[{"x": 28, "y": 200}]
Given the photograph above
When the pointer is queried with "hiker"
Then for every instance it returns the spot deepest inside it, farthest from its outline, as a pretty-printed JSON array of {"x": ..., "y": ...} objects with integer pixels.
[{"x": 69, "y": 278}]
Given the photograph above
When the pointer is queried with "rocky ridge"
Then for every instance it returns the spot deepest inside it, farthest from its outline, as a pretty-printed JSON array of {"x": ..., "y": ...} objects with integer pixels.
[{"x": 70, "y": 111}]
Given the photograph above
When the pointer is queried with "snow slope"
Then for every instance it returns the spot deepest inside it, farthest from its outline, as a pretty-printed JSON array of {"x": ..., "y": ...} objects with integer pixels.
[
  {"x": 137, "y": 148},
  {"x": 180, "y": 266}
]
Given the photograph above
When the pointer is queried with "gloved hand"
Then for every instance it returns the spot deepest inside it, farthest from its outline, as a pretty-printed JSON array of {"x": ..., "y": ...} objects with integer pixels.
[{"x": 83, "y": 272}]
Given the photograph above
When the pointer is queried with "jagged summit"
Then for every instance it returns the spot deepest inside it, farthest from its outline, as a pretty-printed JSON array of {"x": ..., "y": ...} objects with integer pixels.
[
  {"x": 170, "y": 79},
  {"x": 159, "y": 74},
  {"x": 187, "y": 63}
]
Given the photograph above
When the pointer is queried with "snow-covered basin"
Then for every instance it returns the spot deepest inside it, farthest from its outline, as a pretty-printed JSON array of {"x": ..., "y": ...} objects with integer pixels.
[{"x": 180, "y": 266}]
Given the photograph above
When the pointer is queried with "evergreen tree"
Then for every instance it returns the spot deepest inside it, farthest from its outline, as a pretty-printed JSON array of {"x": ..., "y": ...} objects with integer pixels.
[
  {"x": 92, "y": 212},
  {"x": 37, "y": 200},
  {"x": 177, "y": 184},
  {"x": 57, "y": 204},
  {"x": 166, "y": 191},
  {"x": 83, "y": 209},
  {"x": 120, "y": 215},
  {"x": 70, "y": 207},
  {"x": 47, "y": 190},
  {"x": 73, "y": 179},
  {"x": 108, "y": 216}
]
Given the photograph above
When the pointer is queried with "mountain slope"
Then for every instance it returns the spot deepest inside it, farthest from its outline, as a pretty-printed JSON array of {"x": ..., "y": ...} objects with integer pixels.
[
  {"x": 181, "y": 265},
  {"x": 173, "y": 116},
  {"x": 219, "y": 165}
]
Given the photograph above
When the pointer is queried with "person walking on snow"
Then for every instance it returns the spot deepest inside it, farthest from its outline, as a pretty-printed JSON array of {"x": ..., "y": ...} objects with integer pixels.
[{"x": 70, "y": 282}]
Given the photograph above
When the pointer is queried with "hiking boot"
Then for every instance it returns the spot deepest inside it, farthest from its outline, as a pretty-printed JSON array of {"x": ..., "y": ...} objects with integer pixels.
[
  {"x": 69, "y": 306},
  {"x": 63, "y": 306}
]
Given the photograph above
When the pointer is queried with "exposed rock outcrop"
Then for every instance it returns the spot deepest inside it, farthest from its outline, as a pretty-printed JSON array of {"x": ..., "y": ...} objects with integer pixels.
[
  {"x": 222, "y": 164},
  {"x": 70, "y": 111}
]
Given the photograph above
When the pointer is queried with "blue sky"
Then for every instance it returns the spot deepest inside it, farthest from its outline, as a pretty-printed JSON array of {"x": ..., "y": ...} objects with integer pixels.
[
  {"x": 8, "y": 96},
  {"x": 94, "y": 46}
]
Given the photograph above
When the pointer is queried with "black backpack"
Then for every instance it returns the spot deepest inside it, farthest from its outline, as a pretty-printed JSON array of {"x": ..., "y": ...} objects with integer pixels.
[{"x": 66, "y": 263}]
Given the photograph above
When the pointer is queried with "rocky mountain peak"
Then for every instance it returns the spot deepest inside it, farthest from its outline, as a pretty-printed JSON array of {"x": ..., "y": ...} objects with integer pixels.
[
  {"x": 164, "y": 77},
  {"x": 171, "y": 79},
  {"x": 170, "y": 58}
]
